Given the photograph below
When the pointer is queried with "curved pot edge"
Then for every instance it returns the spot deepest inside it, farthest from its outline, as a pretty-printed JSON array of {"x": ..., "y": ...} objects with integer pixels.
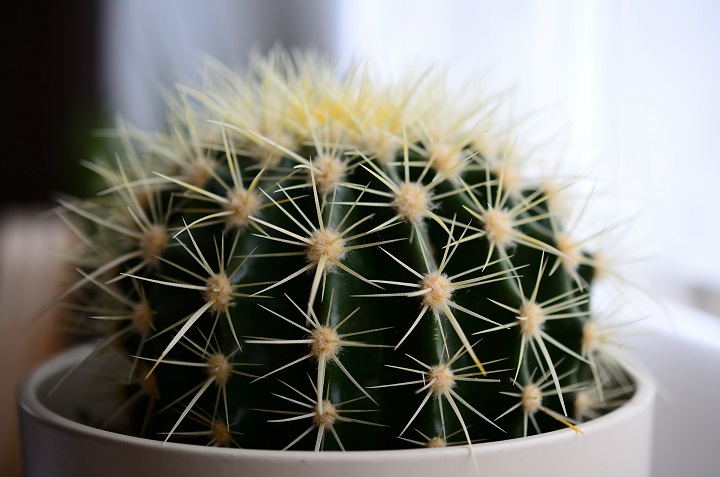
[{"x": 639, "y": 408}]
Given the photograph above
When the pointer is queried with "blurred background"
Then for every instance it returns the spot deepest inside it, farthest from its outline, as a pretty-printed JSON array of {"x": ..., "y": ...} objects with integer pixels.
[{"x": 625, "y": 91}]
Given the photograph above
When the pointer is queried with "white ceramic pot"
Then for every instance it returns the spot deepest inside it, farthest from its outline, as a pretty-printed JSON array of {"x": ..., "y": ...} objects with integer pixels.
[{"x": 55, "y": 444}]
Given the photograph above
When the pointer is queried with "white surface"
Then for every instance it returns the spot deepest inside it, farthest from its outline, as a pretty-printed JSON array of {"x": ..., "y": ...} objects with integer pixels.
[{"x": 684, "y": 355}]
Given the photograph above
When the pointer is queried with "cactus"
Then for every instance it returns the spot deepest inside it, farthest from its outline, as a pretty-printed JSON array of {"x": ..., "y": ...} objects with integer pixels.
[{"x": 308, "y": 261}]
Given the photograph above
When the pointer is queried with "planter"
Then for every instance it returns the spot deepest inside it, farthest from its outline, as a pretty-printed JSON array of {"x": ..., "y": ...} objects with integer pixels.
[{"x": 55, "y": 444}]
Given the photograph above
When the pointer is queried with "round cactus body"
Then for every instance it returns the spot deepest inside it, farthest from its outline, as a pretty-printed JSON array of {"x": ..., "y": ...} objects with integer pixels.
[{"x": 309, "y": 261}]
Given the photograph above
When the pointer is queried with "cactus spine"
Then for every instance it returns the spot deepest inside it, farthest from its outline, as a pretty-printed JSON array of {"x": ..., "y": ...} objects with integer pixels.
[{"x": 312, "y": 262}]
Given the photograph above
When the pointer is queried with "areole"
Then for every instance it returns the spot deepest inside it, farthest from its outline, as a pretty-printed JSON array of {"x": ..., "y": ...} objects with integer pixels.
[{"x": 617, "y": 444}]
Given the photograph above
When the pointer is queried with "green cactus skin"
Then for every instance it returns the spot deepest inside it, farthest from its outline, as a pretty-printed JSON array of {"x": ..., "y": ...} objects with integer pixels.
[{"x": 310, "y": 262}]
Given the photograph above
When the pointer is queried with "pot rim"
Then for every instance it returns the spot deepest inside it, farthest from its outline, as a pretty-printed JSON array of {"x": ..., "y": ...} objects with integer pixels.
[{"x": 31, "y": 404}]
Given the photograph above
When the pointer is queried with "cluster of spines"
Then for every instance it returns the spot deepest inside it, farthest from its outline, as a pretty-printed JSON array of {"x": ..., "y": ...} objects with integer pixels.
[{"x": 304, "y": 251}]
